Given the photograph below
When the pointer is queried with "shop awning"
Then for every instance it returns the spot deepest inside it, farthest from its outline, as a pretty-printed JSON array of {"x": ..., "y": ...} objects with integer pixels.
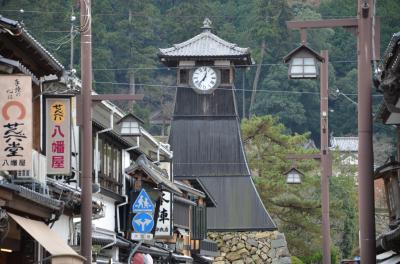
[{"x": 47, "y": 238}]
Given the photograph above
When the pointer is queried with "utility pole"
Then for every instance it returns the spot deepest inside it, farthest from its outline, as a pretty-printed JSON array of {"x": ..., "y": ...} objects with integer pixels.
[
  {"x": 73, "y": 18},
  {"x": 86, "y": 146},
  {"x": 365, "y": 149},
  {"x": 326, "y": 167},
  {"x": 85, "y": 104},
  {"x": 363, "y": 26}
]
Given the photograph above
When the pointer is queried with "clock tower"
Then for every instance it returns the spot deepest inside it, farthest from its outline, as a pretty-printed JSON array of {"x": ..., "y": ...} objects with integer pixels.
[{"x": 205, "y": 131}]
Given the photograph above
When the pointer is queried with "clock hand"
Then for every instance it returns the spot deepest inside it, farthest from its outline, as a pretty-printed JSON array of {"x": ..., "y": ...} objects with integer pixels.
[{"x": 205, "y": 75}]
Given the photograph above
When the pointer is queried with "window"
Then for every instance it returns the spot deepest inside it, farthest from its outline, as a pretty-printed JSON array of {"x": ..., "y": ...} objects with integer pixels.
[
  {"x": 110, "y": 165},
  {"x": 225, "y": 76},
  {"x": 199, "y": 223},
  {"x": 183, "y": 76}
]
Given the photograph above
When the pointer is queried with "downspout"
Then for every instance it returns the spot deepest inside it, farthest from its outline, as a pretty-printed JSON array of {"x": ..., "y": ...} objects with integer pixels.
[
  {"x": 124, "y": 187},
  {"x": 159, "y": 146},
  {"x": 96, "y": 160}
]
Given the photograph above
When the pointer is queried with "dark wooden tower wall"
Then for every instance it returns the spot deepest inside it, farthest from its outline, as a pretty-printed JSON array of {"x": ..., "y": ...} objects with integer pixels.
[
  {"x": 204, "y": 135},
  {"x": 205, "y": 138},
  {"x": 206, "y": 142}
]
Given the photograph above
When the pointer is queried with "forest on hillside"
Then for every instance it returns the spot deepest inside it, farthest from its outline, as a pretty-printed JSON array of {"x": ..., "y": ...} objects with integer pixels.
[{"x": 127, "y": 36}]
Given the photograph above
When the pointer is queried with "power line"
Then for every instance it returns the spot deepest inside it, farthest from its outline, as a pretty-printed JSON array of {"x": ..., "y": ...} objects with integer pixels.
[
  {"x": 169, "y": 68},
  {"x": 219, "y": 88},
  {"x": 23, "y": 11}
]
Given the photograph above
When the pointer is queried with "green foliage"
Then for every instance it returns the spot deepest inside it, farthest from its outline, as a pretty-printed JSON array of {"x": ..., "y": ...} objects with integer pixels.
[
  {"x": 296, "y": 208},
  {"x": 296, "y": 260},
  {"x": 127, "y": 35},
  {"x": 316, "y": 257}
]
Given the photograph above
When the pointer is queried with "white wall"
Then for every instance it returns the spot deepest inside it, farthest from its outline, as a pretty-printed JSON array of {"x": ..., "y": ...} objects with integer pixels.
[
  {"x": 62, "y": 227},
  {"x": 108, "y": 221}
]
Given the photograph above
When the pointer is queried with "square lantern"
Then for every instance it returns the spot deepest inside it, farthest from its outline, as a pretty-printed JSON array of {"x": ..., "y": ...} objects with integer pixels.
[
  {"x": 293, "y": 176},
  {"x": 303, "y": 63},
  {"x": 130, "y": 125}
]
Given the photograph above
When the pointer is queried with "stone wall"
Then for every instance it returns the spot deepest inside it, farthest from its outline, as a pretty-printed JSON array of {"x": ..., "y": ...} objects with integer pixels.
[
  {"x": 381, "y": 222},
  {"x": 251, "y": 247}
]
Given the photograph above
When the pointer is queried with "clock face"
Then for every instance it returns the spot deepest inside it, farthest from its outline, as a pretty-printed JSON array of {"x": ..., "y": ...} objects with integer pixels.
[{"x": 204, "y": 78}]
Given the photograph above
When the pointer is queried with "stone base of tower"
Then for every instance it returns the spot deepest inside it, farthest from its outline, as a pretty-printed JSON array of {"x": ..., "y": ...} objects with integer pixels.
[{"x": 251, "y": 247}]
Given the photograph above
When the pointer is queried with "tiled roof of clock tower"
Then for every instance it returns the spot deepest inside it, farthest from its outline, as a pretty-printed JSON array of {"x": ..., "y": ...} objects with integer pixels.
[{"x": 206, "y": 44}]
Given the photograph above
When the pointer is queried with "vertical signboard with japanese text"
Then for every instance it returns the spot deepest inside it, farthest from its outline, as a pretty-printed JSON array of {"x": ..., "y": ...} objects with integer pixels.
[
  {"x": 15, "y": 122},
  {"x": 164, "y": 221},
  {"x": 58, "y": 135},
  {"x": 163, "y": 228}
]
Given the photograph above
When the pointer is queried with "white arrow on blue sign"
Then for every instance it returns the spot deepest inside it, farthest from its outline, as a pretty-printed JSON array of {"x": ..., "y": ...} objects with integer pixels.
[
  {"x": 143, "y": 203},
  {"x": 143, "y": 223}
]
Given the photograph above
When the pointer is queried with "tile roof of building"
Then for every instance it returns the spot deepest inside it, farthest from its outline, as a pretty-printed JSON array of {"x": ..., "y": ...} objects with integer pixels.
[
  {"x": 206, "y": 44},
  {"x": 345, "y": 143},
  {"x": 36, "y": 197},
  {"x": 159, "y": 176},
  {"x": 17, "y": 30}
]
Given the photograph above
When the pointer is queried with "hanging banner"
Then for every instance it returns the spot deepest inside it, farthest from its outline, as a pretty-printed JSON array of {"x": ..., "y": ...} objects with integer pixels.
[
  {"x": 164, "y": 224},
  {"x": 58, "y": 135},
  {"x": 15, "y": 122},
  {"x": 164, "y": 221}
]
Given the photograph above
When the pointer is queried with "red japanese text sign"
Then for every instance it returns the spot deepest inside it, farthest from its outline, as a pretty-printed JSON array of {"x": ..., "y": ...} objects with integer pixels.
[
  {"x": 15, "y": 122},
  {"x": 58, "y": 136}
]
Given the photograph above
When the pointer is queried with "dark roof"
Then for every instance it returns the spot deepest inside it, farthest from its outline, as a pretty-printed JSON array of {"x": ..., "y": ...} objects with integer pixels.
[
  {"x": 159, "y": 176},
  {"x": 189, "y": 189},
  {"x": 43, "y": 200},
  {"x": 14, "y": 37},
  {"x": 208, "y": 150},
  {"x": 210, "y": 201},
  {"x": 388, "y": 168},
  {"x": 132, "y": 116},
  {"x": 387, "y": 79},
  {"x": 302, "y": 48},
  {"x": 19, "y": 68},
  {"x": 239, "y": 206},
  {"x": 293, "y": 169}
]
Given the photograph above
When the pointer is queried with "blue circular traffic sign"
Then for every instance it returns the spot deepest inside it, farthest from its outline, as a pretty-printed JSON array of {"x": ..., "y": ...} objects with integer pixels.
[{"x": 143, "y": 223}]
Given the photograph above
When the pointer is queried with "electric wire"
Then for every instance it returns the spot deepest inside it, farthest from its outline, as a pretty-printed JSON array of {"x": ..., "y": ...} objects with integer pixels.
[
  {"x": 169, "y": 68},
  {"x": 219, "y": 88},
  {"x": 138, "y": 14}
]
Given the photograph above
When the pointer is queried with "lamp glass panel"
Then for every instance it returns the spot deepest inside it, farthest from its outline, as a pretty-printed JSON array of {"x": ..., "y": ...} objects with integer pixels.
[
  {"x": 310, "y": 70},
  {"x": 293, "y": 177},
  {"x": 125, "y": 130},
  {"x": 134, "y": 131},
  {"x": 296, "y": 69},
  {"x": 297, "y": 61},
  {"x": 309, "y": 61}
]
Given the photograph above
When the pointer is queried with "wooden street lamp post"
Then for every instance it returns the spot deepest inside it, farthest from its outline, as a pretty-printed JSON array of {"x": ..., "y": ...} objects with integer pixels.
[
  {"x": 302, "y": 65},
  {"x": 363, "y": 25}
]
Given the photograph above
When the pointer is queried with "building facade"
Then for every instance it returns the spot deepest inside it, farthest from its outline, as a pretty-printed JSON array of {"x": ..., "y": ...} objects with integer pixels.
[
  {"x": 40, "y": 195},
  {"x": 387, "y": 82}
]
